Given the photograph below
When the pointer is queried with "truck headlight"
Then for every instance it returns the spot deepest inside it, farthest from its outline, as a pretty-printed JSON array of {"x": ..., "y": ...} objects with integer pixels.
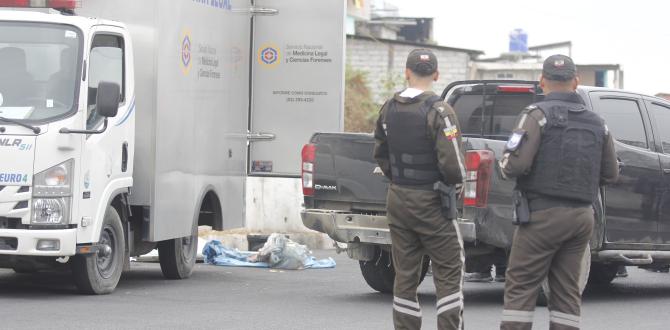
[{"x": 52, "y": 194}]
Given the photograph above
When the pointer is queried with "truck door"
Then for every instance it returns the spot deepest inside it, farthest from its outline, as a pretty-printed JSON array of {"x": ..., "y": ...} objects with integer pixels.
[
  {"x": 631, "y": 204},
  {"x": 105, "y": 155},
  {"x": 297, "y": 81},
  {"x": 659, "y": 113}
]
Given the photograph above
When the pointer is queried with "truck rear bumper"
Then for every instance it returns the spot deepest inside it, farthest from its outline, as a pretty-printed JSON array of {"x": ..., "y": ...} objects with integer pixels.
[
  {"x": 25, "y": 242},
  {"x": 347, "y": 227}
]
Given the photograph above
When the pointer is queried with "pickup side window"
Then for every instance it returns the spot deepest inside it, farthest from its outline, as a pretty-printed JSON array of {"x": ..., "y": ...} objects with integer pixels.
[
  {"x": 624, "y": 120},
  {"x": 106, "y": 63},
  {"x": 661, "y": 115}
]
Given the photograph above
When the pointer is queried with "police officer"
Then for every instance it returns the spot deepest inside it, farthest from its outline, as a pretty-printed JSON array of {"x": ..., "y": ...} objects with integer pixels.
[
  {"x": 417, "y": 145},
  {"x": 560, "y": 153}
]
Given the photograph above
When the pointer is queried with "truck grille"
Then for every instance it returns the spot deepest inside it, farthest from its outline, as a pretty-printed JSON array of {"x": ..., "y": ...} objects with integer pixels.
[
  {"x": 10, "y": 223},
  {"x": 14, "y": 202},
  {"x": 8, "y": 243},
  {"x": 21, "y": 205}
]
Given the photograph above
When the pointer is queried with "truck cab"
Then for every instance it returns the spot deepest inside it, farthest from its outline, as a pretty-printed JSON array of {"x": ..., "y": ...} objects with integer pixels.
[{"x": 66, "y": 130}]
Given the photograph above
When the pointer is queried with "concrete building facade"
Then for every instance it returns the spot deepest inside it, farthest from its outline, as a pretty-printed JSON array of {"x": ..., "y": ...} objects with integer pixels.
[{"x": 383, "y": 60}]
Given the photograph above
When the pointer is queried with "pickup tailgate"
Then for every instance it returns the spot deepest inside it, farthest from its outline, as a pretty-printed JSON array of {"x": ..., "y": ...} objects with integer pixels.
[{"x": 343, "y": 174}]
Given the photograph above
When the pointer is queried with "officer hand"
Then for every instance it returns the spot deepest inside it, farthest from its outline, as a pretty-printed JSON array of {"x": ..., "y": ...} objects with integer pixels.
[{"x": 459, "y": 190}]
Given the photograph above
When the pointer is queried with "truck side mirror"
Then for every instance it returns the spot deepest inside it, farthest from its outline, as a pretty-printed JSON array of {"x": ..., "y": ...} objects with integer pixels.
[{"x": 107, "y": 99}]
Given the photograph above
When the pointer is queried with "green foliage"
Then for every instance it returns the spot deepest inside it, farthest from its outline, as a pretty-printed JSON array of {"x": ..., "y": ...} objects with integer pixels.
[
  {"x": 360, "y": 111},
  {"x": 392, "y": 84}
]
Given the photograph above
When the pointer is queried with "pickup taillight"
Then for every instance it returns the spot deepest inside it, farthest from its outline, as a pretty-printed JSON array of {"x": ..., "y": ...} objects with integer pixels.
[
  {"x": 479, "y": 167},
  {"x": 308, "y": 157}
]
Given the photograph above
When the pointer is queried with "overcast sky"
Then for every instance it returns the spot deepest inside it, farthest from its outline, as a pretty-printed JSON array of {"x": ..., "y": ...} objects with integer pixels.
[{"x": 635, "y": 34}]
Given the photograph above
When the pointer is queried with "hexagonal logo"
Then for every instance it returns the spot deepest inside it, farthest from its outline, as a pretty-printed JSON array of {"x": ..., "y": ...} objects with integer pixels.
[
  {"x": 186, "y": 54},
  {"x": 269, "y": 55}
]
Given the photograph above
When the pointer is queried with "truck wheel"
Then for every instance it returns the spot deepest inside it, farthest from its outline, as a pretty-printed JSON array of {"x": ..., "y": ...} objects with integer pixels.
[
  {"x": 602, "y": 274},
  {"x": 177, "y": 256},
  {"x": 99, "y": 273},
  {"x": 379, "y": 272}
]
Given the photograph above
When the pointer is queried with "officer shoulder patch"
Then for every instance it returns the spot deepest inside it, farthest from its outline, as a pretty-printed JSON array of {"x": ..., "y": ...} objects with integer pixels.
[
  {"x": 515, "y": 140},
  {"x": 451, "y": 132}
]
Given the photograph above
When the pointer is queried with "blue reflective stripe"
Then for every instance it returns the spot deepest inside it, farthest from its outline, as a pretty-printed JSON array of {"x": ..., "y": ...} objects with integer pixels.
[{"x": 130, "y": 111}]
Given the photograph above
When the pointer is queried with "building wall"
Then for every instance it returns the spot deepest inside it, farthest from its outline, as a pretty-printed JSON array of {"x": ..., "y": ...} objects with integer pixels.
[
  {"x": 381, "y": 60},
  {"x": 587, "y": 77}
]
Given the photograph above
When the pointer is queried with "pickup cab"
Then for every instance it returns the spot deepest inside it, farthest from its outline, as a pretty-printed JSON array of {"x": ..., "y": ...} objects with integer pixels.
[{"x": 345, "y": 197}]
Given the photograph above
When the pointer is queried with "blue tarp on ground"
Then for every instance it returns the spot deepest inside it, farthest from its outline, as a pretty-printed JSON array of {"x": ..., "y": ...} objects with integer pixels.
[{"x": 217, "y": 254}]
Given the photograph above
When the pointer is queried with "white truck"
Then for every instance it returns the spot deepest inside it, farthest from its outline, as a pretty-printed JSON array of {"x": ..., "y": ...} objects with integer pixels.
[{"x": 119, "y": 138}]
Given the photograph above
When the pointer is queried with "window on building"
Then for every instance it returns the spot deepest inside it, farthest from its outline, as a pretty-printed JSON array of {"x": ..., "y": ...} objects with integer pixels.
[
  {"x": 505, "y": 75},
  {"x": 624, "y": 120},
  {"x": 601, "y": 78}
]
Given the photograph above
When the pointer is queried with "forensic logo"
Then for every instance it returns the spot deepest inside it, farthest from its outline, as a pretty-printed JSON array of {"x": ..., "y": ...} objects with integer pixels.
[
  {"x": 269, "y": 55},
  {"x": 186, "y": 54}
]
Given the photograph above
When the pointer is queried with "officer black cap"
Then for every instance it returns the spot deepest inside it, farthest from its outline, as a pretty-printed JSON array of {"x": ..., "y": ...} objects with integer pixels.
[
  {"x": 559, "y": 68},
  {"x": 422, "y": 62}
]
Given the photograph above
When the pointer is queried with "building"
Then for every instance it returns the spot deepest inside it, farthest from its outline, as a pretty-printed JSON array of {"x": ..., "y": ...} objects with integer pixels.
[
  {"x": 378, "y": 41},
  {"x": 528, "y": 66},
  {"x": 383, "y": 60}
]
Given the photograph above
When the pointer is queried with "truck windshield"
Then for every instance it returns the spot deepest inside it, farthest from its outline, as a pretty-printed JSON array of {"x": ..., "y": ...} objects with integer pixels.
[
  {"x": 39, "y": 70},
  {"x": 490, "y": 111}
]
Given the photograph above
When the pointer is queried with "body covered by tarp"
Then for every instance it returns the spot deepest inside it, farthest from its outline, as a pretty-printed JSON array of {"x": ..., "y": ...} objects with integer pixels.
[{"x": 278, "y": 252}]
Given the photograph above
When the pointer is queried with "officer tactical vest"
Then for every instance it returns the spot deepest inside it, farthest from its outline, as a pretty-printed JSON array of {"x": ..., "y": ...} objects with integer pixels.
[
  {"x": 411, "y": 150},
  {"x": 567, "y": 164}
]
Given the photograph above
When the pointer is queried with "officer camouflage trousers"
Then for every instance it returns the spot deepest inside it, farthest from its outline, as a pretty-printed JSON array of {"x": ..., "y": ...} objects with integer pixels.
[
  {"x": 552, "y": 245},
  {"x": 418, "y": 228}
]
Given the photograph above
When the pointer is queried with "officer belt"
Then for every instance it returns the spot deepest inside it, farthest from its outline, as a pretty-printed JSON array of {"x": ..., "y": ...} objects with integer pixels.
[
  {"x": 425, "y": 187},
  {"x": 539, "y": 204}
]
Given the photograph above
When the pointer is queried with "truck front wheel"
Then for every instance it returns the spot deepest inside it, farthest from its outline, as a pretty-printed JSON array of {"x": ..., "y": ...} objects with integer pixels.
[
  {"x": 99, "y": 273},
  {"x": 379, "y": 272},
  {"x": 177, "y": 256}
]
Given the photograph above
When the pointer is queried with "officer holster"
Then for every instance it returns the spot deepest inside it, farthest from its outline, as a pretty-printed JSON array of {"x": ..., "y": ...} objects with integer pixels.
[
  {"x": 448, "y": 198},
  {"x": 521, "y": 208}
]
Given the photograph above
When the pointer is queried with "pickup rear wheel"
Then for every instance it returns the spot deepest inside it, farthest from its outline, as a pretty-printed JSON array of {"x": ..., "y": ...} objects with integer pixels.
[
  {"x": 379, "y": 272},
  {"x": 177, "y": 256},
  {"x": 99, "y": 273},
  {"x": 602, "y": 274}
]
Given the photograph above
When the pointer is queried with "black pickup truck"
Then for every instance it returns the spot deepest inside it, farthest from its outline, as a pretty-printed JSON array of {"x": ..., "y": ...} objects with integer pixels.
[{"x": 345, "y": 195}]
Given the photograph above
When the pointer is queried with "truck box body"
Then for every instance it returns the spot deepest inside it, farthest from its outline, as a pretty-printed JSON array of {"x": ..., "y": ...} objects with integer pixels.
[{"x": 192, "y": 101}]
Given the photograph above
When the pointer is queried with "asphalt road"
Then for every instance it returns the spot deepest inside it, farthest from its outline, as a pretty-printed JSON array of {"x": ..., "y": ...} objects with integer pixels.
[{"x": 244, "y": 298}]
